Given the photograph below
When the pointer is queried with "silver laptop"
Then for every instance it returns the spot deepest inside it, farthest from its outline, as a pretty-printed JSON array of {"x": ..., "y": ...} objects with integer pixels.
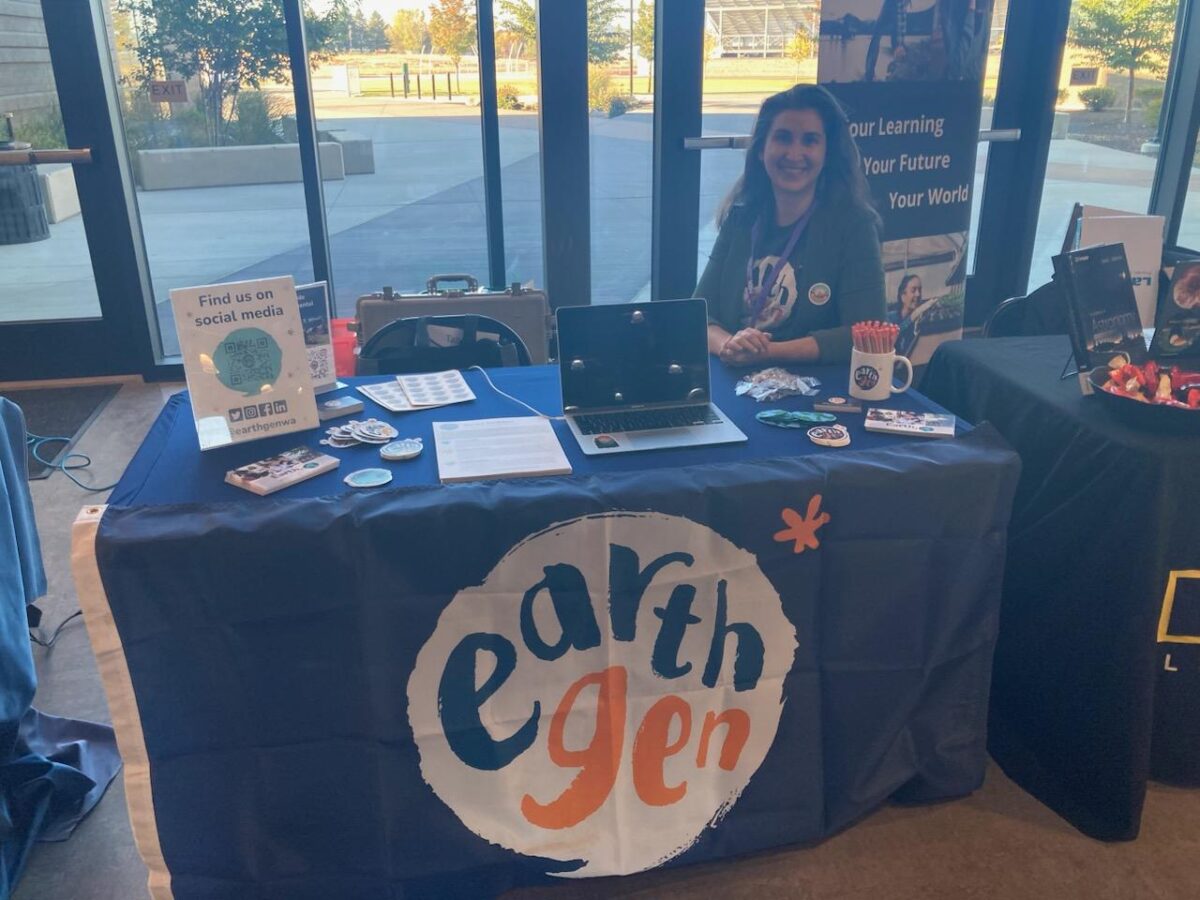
[{"x": 635, "y": 377}]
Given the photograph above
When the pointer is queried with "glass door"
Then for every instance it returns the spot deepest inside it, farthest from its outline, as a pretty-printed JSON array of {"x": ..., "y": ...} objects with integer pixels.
[{"x": 69, "y": 274}]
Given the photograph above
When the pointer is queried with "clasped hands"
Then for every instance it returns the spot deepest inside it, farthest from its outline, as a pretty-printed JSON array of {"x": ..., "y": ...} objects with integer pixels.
[{"x": 746, "y": 347}]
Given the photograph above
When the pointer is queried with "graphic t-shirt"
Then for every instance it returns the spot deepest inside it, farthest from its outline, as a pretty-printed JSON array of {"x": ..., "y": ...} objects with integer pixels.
[{"x": 782, "y": 299}]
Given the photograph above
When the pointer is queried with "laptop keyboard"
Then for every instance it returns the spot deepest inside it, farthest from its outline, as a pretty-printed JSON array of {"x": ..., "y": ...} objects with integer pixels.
[{"x": 647, "y": 419}]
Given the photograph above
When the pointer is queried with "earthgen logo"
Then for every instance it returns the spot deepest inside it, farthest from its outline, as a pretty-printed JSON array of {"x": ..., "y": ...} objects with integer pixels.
[
  {"x": 606, "y": 693},
  {"x": 866, "y": 377}
]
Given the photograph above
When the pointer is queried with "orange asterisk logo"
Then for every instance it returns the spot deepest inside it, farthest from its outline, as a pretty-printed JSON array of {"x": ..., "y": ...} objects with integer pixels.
[{"x": 803, "y": 529}]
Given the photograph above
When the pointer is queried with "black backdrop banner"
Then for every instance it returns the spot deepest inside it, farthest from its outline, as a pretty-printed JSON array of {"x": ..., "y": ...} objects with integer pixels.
[{"x": 911, "y": 80}]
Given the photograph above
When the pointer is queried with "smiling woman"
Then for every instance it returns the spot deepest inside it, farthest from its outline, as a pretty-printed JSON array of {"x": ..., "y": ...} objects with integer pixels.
[{"x": 797, "y": 260}]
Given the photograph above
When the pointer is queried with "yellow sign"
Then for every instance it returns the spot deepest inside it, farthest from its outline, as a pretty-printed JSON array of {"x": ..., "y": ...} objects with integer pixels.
[{"x": 1164, "y": 620}]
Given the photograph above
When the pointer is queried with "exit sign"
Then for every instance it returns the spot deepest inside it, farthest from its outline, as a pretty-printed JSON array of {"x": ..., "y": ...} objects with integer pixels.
[{"x": 169, "y": 91}]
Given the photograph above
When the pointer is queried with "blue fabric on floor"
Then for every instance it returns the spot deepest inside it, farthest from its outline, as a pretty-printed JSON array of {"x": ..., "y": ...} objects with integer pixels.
[{"x": 52, "y": 770}]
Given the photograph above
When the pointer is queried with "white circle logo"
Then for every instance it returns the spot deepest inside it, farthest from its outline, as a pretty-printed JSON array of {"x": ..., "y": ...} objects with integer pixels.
[
  {"x": 606, "y": 693},
  {"x": 819, "y": 294}
]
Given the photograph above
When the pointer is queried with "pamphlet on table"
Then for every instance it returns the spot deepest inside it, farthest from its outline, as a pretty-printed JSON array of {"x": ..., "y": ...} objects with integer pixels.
[
  {"x": 1102, "y": 313},
  {"x": 245, "y": 360},
  {"x": 1142, "y": 237},
  {"x": 498, "y": 448},
  {"x": 1177, "y": 325},
  {"x": 318, "y": 342},
  {"x": 915, "y": 424},
  {"x": 283, "y": 470}
]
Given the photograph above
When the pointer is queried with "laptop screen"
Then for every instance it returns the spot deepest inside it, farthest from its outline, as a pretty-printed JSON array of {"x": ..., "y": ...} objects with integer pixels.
[{"x": 633, "y": 354}]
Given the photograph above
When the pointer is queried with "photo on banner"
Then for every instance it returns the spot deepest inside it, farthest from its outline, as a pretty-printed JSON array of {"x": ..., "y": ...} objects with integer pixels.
[{"x": 918, "y": 145}]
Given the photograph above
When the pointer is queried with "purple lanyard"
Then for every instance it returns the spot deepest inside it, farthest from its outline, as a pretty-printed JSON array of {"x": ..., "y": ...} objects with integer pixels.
[{"x": 759, "y": 298}]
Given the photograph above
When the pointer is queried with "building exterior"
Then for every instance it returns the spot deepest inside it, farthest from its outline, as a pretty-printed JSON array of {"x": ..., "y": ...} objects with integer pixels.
[{"x": 26, "y": 79}]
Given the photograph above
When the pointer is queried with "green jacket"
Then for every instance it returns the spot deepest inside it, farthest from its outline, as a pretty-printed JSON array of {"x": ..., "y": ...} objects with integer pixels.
[{"x": 839, "y": 249}]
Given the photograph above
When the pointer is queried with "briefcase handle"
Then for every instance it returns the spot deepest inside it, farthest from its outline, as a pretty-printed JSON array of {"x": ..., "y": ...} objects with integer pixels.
[{"x": 431, "y": 286}]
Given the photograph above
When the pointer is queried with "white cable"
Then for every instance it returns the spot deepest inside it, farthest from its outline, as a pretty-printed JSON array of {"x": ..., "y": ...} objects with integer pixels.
[{"x": 536, "y": 412}]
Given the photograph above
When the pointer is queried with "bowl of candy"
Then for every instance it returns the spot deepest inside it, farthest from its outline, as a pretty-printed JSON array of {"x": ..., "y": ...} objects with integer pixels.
[{"x": 1150, "y": 396}]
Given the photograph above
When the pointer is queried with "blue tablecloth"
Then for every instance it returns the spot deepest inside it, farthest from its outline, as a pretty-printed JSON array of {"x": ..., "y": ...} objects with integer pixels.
[
  {"x": 169, "y": 469},
  {"x": 447, "y": 690}
]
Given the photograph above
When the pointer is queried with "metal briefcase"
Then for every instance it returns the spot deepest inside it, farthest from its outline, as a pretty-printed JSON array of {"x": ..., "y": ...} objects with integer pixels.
[{"x": 526, "y": 312}]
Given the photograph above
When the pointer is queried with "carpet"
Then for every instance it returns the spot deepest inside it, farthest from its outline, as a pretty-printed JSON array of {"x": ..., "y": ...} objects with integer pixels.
[{"x": 59, "y": 412}]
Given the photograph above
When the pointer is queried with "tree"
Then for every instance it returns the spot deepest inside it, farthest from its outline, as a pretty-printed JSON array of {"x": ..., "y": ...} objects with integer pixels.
[
  {"x": 643, "y": 29},
  {"x": 227, "y": 46},
  {"x": 605, "y": 41},
  {"x": 451, "y": 29},
  {"x": 408, "y": 31},
  {"x": 643, "y": 35},
  {"x": 800, "y": 47},
  {"x": 1125, "y": 34},
  {"x": 375, "y": 33}
]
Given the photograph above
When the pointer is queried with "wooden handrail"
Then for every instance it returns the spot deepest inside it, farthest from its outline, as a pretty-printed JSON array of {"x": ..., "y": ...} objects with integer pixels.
[{"x": 35, "y": 157}]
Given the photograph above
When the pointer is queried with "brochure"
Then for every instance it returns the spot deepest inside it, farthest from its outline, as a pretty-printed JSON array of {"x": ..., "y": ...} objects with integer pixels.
[
  {"x": 1177, "y": 325},
  {"x": 902, "y": 421},
  {"x": 498, "y": 448},
  {"x": 314, "y": 313},
  {"x": 278, "y": 472},
  {"x": 1101, "y": 310},
  {"x": 1142, "y": 237},
  {"x": 244, "y": 359}
]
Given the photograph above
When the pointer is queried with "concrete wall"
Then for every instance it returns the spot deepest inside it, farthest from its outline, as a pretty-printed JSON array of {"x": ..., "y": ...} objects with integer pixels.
[
  {"x": 26, "y": 80},
  {"x": 192, "y": 167}
]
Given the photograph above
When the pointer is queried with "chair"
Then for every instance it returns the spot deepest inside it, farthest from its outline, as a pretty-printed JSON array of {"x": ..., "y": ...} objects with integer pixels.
[
  {"x": 1042, "y": 311},
  {"x": 435, "y": 343}
]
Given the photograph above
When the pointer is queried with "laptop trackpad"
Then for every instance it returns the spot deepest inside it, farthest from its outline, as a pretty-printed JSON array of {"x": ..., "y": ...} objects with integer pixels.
[{"x": 661, "y": 437}]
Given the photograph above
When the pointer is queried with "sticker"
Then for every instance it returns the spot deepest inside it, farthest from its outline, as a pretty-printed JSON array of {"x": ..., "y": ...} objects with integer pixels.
[
  {"x": 783, "y": 418},
  {"x": 605, "y": 441},
  {"x": 819, "y": 294},
  {"x": 829, "y": 435},
  {"x": 866, "y": 377},
  {"x": 407, "y": 448},
  {"x": 368, "y": 478}
]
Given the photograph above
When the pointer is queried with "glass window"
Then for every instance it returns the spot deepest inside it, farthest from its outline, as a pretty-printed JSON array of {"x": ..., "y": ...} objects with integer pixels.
[
  {"x": 1103, "y": 146},
  {"x": 215, "y": 158},
  {"x": 621, "y": 129},
  {"x": 751, "y": 50},
  {"x": 991, "y": 77},
  {"x": 396, "y": 87},
  {"x": 520, "y": 150},
  {"x": 45, "y": 267},
  {"x": 1189, "y": 223}
]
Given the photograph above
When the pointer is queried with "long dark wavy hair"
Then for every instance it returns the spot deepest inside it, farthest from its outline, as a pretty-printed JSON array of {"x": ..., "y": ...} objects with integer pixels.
[{"x": 841, "y": 178}]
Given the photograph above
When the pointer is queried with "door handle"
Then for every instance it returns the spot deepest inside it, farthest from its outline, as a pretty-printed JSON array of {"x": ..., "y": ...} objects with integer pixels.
[{"x": 35, "y": 157}]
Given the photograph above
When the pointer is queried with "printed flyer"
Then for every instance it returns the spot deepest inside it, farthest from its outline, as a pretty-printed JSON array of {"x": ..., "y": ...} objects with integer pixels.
[
  {"x": 910, "y": 76},
  {"x": 245, "y": 360}
]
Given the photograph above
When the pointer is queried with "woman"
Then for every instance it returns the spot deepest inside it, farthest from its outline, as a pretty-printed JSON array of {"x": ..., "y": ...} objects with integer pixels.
[
  {"x": 797, "y": 259},
  {"x": 909, "y": 295}
]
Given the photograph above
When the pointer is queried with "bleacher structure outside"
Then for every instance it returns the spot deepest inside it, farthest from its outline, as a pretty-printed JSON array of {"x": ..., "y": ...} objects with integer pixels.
[{"x": 760, "y": 27}]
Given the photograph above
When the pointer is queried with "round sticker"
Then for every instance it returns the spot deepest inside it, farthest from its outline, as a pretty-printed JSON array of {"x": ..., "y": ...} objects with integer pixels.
[
  {"x": 629, "y": 668},
  {"x": 829, "y": 435},
  {"x": 368, "y": 478},
  {"x": 402, "y": 449},
  {"x": 819, "y": 294}
]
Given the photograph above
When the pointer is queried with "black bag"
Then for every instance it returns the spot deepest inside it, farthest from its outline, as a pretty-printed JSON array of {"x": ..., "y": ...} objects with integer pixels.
[{"x": 436, "y": 343}]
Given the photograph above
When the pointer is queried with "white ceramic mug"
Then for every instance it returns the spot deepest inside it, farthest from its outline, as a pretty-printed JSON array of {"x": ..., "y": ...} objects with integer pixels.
[{"x": 871, "y": 375}]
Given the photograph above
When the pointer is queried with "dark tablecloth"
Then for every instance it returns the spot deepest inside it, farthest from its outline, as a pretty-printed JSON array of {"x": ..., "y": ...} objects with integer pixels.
[
  {"x": 1097, "y": 676},
  {"x": 294, "y": 677}
]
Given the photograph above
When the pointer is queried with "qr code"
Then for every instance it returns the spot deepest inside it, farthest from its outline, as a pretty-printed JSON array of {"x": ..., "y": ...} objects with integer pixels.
[{"x": 320, "y": 364}]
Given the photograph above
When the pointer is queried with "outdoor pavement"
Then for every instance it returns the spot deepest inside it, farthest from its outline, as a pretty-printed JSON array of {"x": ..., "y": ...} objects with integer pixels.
[{"x": 422, "y": 212}]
